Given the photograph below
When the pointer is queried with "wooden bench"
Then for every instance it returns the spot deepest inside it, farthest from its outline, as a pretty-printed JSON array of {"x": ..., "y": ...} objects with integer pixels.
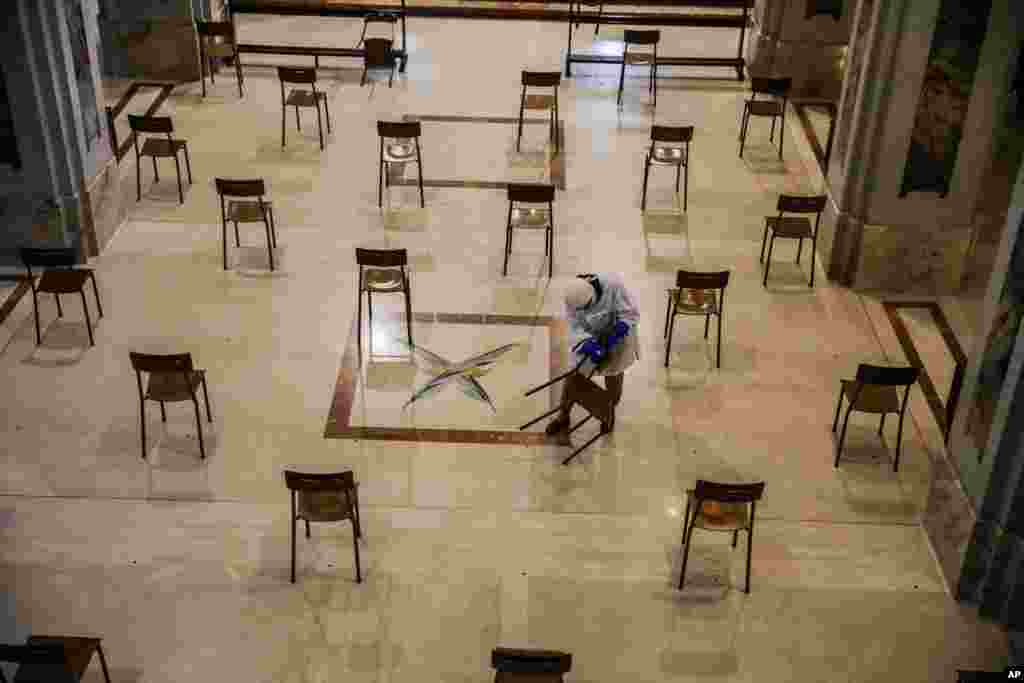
[{"x": 315, "y": 52}]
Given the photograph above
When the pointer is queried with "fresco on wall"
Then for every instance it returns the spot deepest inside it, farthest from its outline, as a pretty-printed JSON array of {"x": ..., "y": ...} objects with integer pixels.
[
  {"x": 83, "y": 70},
  {"x": 999, "y": 346},
  {"x": 8, "y": 141},
  {"x": 945, "y": 94}
]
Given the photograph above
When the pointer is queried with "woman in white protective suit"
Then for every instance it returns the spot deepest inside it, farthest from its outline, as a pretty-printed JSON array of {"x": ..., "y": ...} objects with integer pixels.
[{"x": 603, "y": 318}]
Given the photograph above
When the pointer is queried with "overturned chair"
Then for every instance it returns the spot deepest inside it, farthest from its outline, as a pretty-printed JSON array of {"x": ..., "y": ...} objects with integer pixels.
[{"x": 582, "y": 391}]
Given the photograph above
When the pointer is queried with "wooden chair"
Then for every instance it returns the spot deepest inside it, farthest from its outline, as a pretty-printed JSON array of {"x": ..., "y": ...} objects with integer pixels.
[
  {"x": 399, "y": 144},
  {"x": 720, "y": 507},
  {"x": 245, "y": 211},
  {"x": 644, "y": 39},
  {"x": 696, "y": 294},
  {"x": 157, "y": 147},
  {"x": 378, "y": 55},
  {"x": 670, "y": 146},
  {"x": 775, "y": 108},
  {"x": 529, "y": 666},
  {"x": 52, "y": 659},
  {"x": 547, "y": 102},
  {"x": 875, "y": 391},
  {"x": 383, "y": 271},
  {"x": 210, "y": 49},
  {"x": 172, "y": 379},
  {"x": 580, "y": 4},
  {"x": 302, "y": 97},
  {"x": 61, "y": 275},
  {"x": 379, "y": 17},
  {"x": 793, "y": 227},
  {"x": 531, "y": 218},
  {"x": 324, "y": 498}
]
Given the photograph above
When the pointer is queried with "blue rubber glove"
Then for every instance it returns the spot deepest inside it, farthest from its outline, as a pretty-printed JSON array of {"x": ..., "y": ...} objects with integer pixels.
[
  {"x": 593, "y": 349},
  {"x": 619, "y": 332}
]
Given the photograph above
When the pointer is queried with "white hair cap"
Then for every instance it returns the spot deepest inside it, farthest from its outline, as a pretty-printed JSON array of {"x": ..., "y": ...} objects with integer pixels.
[{"x": 579, "y": 293}]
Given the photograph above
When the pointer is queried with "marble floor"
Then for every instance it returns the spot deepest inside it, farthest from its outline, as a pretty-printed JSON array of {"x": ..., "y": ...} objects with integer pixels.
[{"x": 181, "y": 564}]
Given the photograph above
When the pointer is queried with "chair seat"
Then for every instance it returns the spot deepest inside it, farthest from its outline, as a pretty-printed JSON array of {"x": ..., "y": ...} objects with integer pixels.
[
  {"x": 520, "y": 677},
  {"x": 639, "y": 58},
  {"x": 790, "y": 226},
  {"x": 63, "y": 281},
  {"x": 304, "y": 98},
  {"x": 323, "y": 506},
  {"x": 247, "y": 211},
  {"x": 668, "y": 156},
  {"x": 400, "y": 152},
  {"x": 161, "y": 147},
  {"x": 764, "y": 108},
  {"x": 77, "y": 653},
  {"x": 530, "y": 218},
  {"x": 695, "y": 301},
  {"x": 539, "y": 102},
  {"x": 382, "y": 279},
  {"x": 715, "y": 516},
  {"x": 220, "y": 50},
  {"x": 171, "y": 386},
  {"x": 872, "y": 398}
]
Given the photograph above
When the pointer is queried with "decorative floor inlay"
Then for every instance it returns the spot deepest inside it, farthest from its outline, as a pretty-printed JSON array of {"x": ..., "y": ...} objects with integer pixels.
[{"x": 351, "y": 416}]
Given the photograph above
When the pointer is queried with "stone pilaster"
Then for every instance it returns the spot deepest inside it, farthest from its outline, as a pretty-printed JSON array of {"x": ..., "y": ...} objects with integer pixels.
[{"x": 785, "y": 41}]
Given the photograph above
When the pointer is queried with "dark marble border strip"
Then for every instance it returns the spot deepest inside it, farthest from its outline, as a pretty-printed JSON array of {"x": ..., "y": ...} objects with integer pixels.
[
  {"x": 821, "y": 154},
  {"x": 11, "y": 301},
  {"x": 339, "y": 419}
]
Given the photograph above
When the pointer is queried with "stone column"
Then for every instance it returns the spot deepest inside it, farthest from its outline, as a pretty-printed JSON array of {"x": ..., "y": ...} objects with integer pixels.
[
  {"x": 875, "y": 235},
  {"x": 790, "y": 39},
  {"x": 43, "y": 202},
  {"x": 150, "y": 39}
]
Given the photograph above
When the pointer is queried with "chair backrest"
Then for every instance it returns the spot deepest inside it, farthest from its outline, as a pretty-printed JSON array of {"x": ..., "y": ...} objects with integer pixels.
[
  {"x": 308, "y": 481},
  {"x": 384, "y": 17},
  {"x": 38, "y": 662},
  {"x": 531, "y": 193},
  {"x": 542, "y": 79},
  {"x": 209, "y": 29},
  {"x": 382, "y": 258},
  {"x": 507, "y": 660},
  {"x": 789, "y": 203},
  {"x": 49, "y": 257},
  {"x": 399, "y": 129},
  {"x": 378, "y": 52},
  {"x": 671, "y": 133},
  {"x": 161, "y": 363},
  {"x": 240, "y": 188},
  {"x": 150, "y": 124},
  {"x": 887, "y": 376},
  {"x": 296, "y": 74},
  {"x": 686, "y": 279},
  {"x": 728, "y": 493},
  {"x": 634, "y": 37},
  {"x": 778, "y": 87}
]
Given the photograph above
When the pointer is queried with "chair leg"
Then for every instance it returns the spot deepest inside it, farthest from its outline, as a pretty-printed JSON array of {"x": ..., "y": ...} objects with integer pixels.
[
  {"x": 408, "y": 315},
  {"x": 237, "y": 240},
  {"x": 668, "y": 344},
  {"x": 686, "y": 552},
  {"x": 842, "y": 436},
  {"x": 814, "y": 252},
  {"x": 177, "y": 169},
  {"x": 96, "y": 294},
  {"x": 782, "y": 135},
  {"x": 283, "y": 127},
  {"x": 138, "y": 179},
  {"x": 551, "y": 248},
  {"x": 380, "y": 178},
  {"x": 270, "y": 244},
  {"x": 359, "y": 323},
  {"x": 369, "y": 318},
  {"x": 899, "y": 444},
  {"x": 188, "y": 163},
  {"x": 686, "y": 187},
  {"x": 768, "y": 263},
  {"x": 735, "y": 537},
  {"x": 419, "y": 167},
  {"x": 718, "y": 342},
  {"x": 743, "y": 129},
  {"x": 142, "y": 420},
  {"x": 202, "y": 72},
  {"x": 750, "y": 548},
  {"x": 293, "y": 545},
  {"x": 199, "y": 428},
  {"x": 771, "y": 135},
  {"x": 60, "y": 311},
  {"x": 622, "y": 80},
  {"x": 764, "y": 243},
  {"x": 103, "y": 663},
  {"x": 35, "y": 311},
  {"x": 88, "y": 322},
  {"x": 362, "y": 80},
  {"x": 307, "y": 528},
  {"x": 238, "y": 72},
  {"x": 355, "y": 548},
  {"x": 206, "y": 400},
  {"x": 298, "y": 125},
  {"x": 519, "y": 134},
  {"x": 156, "y": 171},
  {"x": 327, "y": 113},
  {"x": 320, "y": 126},
  {"x": 224, "y": 242},
  {"x": 508, "y": 241},
  {"x": 799, "y": 249},
  {"x": 273, "y": 227},
  {"x": 643, "y": 194},
  {"x": 881, "y": 424},
  {"x": 668, "y": 312},
  {"x": 163, "y": 412},
  {"x": 839, "y": 404}
]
